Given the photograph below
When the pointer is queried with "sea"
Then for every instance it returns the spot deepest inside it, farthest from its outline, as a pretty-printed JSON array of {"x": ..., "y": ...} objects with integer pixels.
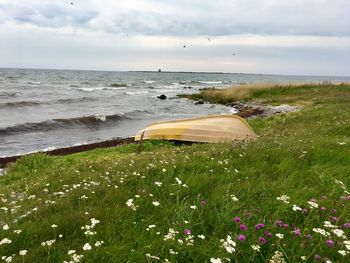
[{"x": 43, "y": 109}]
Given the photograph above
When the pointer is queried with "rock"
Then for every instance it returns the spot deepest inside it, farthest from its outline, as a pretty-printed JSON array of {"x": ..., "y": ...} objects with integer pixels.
[
  {"x": 162, "y": 97},
  {"x": 199, "y": 102}
]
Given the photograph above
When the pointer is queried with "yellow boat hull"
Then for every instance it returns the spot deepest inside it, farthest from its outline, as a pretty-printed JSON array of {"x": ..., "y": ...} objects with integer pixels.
[{"x": 210, "y": 129}]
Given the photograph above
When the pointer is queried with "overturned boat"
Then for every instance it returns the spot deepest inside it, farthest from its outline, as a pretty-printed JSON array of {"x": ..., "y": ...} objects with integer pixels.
[{"x": 210, "y": 129}]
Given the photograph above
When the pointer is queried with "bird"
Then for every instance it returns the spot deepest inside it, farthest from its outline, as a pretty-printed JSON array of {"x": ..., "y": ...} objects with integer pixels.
[
  {"x": 208, "y": 39},
  {"x": 71, "y": 3},
  {"x": 233, "y": 54},
  {"x": 184, "y": 46}
]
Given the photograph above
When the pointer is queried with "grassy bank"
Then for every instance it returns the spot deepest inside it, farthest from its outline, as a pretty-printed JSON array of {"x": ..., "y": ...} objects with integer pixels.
[{"x": 165, "y": 203}]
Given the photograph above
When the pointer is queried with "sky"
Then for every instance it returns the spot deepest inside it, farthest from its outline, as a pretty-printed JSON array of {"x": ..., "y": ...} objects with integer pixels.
[{"x": 295, "y": 37}]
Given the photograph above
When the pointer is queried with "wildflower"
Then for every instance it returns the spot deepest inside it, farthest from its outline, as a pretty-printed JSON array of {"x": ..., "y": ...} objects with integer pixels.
[
  {"x": 285, "y": 226},
  {"x": 5, "y": 241},
  {"x": 269, "y": 234},
  {"x": 312, "y": 204},
  {"x": 71, "y": 252},
  {"x": 346, "y": 225},
  {"x": 296, "y": 208},
  {"x": 243, "y": 227},
  {"x": 279, "y": 223},
  {"x": 48, "y": 243},
  {"x": 303, "y": 258},
  {"x": 87, "y": 246},
  {"x": 150, "y": 227},
  {"x": 17, "y": 231},
  {"x": 317, "y": 257},
  {"x": 234, "y": 198},
  {"x": 262, "y": 240},
  {"x": 215, "y": 260},
  {"x": 130, "y": 204},
  {"x": 23, "y": 252},
  {"x": 330, "y": 243},
  {"x": 321, "y": 231},
  {"x": 342, "y": 252},
  {"x": 323, "y": 208},
  {"x": 339, "y": 233},
  {"x": 193, "y": 207},
  {"x": 203, "y": 202},
  {"x": 334, "y": 218},
  {"x": 187, "y": 231},
  {"x": 53, "y": 226},
  {"x": 156, "y": 203},
  {"x": 229, "y": 244},
  {"x": 279, "y": 235},
  {"x": 256, "y": 247},
  {"x": 308, "y": 236},
  {"x": 164, "y": 170},
  {"x": 241, "y": 238},
  {"x": 284, "y": 198},
  {"x": 277, "y": 258},
  {"x": 158, "y": 183},
  {"x": 237, "y": 219},
  {"x": 5, "y": 227},
  {"x": 297, "y": 231},
  {"x": 201, "y": 237},
  {"x": 333, "y": 211},
  {"x": 259, "y": 226},
  {"x": 8, "y": 259},
  {"x": 149, "y": 255},
  {"x": 98, "y": 243},
  {"x": 328, "y": 224}
]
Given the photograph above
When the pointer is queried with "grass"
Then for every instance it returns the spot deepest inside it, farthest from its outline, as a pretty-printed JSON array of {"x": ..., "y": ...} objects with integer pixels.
[{"x": 200, "y": 189}]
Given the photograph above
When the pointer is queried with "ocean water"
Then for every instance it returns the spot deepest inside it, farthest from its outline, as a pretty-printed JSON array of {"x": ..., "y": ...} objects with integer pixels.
[{"x": 46, "y": 109}]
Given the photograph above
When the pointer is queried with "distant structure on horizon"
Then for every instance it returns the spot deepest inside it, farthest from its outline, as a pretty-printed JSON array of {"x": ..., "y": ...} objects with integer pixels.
[{"x": 159, "y": 70}]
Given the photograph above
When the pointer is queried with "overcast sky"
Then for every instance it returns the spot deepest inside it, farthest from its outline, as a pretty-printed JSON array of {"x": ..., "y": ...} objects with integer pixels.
[{"x": 308, "y": 37}]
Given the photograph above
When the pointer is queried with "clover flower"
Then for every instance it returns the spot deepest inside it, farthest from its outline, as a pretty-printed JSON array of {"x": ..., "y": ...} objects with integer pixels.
[
  {"x": 187, "y": 231},
  {"x": 237, "y": 219},
  {"x": 241, "y": 238},
  {"x": 330, "y": 243},
  {"x": 243, "y": 227},
  {"x": 259, "y": 226},
  {"x": 262, "y": 240}
]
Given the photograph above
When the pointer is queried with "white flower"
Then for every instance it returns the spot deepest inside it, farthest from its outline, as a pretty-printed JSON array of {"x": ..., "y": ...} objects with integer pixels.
[
  {"x": 312, "y": 204},
  {"x": 277, "y": 258},
  {"x": 155, "y": 203},
  {"x": 5, "y": 227},
  {"x": 83, "y": 197},
  {"x": 5, "y": 241},
  {"x": 164, "y": 170},
  {"x": 130, "y": 204},
  {"x": 71, "y": 252},
  {"x": 342, "y": 252},
  {"x": 153, "y": 257},
  {"x": 256, "y": 247},
  {"x": 201, "y": 236},
  {"x": 215, "y": 260},
  {"x": 283, "y": 198},
  {"x": 158, "y": 183},
  {"x": 303, "y": 258},
  {"x": 53, "y": 226},
  {"x": 280, "y": 236},
  {"x": 179, "y": 182},
  {"x": 228, "y": 244},
  {"x": 23, "y": 252},
  {"x": 48, "y": 243},
  {"x": 321, "y": 231},
  {"x": 94, "y": 221},
  {"x": 8, "y": 259},
  {"x": 328, "y": 224},
  {"x": 234, "y": 198},
  {"x": 296, "y": 208},
  {"x": 98, "y": 243},
  {"x": 339, "y": 233},
  {"x": 193, "y": 207},
  {"x": 87, "y": 246}
]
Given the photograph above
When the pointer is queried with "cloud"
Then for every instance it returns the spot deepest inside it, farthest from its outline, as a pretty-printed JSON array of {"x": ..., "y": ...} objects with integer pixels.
[{"x": 187, "y": 18}]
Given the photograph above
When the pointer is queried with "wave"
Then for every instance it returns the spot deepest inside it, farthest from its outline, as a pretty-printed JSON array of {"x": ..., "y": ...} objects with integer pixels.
[
  {"x": 91, "y": 121},
  {"x": 34, "y": 82},
  {"x": 8, "y": 94},
  {"x": 101, "y": 88},
  {"x": 17, "y": 104},
  {"x": 135, "y": 92},
  {"x": 118, "y": 85},
  {"x": 149, "y": 81},
  {"x": 210, "y": 82}
]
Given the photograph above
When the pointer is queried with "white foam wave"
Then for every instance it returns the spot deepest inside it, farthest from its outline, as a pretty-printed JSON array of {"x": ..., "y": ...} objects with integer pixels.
[
  {"x": 34, "y": 82},
  {"x": 101, "y": 88},
  {"x": 149, "y": 81},
  {"x": 135, "y": 92},
  {"x": 210, "y": 82}
]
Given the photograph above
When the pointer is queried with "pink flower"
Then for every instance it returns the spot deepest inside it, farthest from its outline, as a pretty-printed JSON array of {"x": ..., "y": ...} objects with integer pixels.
[
  {"x": 334, "y": 218},
  {"x": 259, "y": 226},
  {"x": 269, "y": 234},
  {"x": 203, "y": 203},
  {"x": 243, "y": 227},
  {"x": 241, "y": 238},
  {"x": 330, "y": 243},
  {"x": 262, "y": 240},
  {"x": 305, "y": 211},
  {"x": 187, "y": 232},
  {"x": 297, "y": 231},
  {"x": 334, "y": 211},
  {"x": 317, "y": 257},
  {"x": 346, "y": 225},
  {"x": 237, "y": 220},
  {"x": 323, "y": 208},
  {"x": 285, "y": 225},
  {"x": 279, "y": 223},
  {"x": 308, "y": 236}
]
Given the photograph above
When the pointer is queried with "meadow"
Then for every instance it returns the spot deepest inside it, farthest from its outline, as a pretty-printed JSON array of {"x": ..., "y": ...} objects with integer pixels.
[{"x": 282, "y": 198}]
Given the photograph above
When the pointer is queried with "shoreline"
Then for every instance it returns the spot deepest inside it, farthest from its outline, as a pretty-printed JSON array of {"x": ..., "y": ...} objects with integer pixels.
[{"x": 72, "y": 149}]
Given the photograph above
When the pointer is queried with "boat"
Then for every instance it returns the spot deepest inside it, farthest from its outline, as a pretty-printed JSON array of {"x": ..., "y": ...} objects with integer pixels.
[{"x": 209, "y": 129}]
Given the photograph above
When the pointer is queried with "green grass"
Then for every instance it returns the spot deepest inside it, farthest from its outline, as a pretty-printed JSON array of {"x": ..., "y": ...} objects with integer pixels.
[{"x": 299, "y": 154}]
